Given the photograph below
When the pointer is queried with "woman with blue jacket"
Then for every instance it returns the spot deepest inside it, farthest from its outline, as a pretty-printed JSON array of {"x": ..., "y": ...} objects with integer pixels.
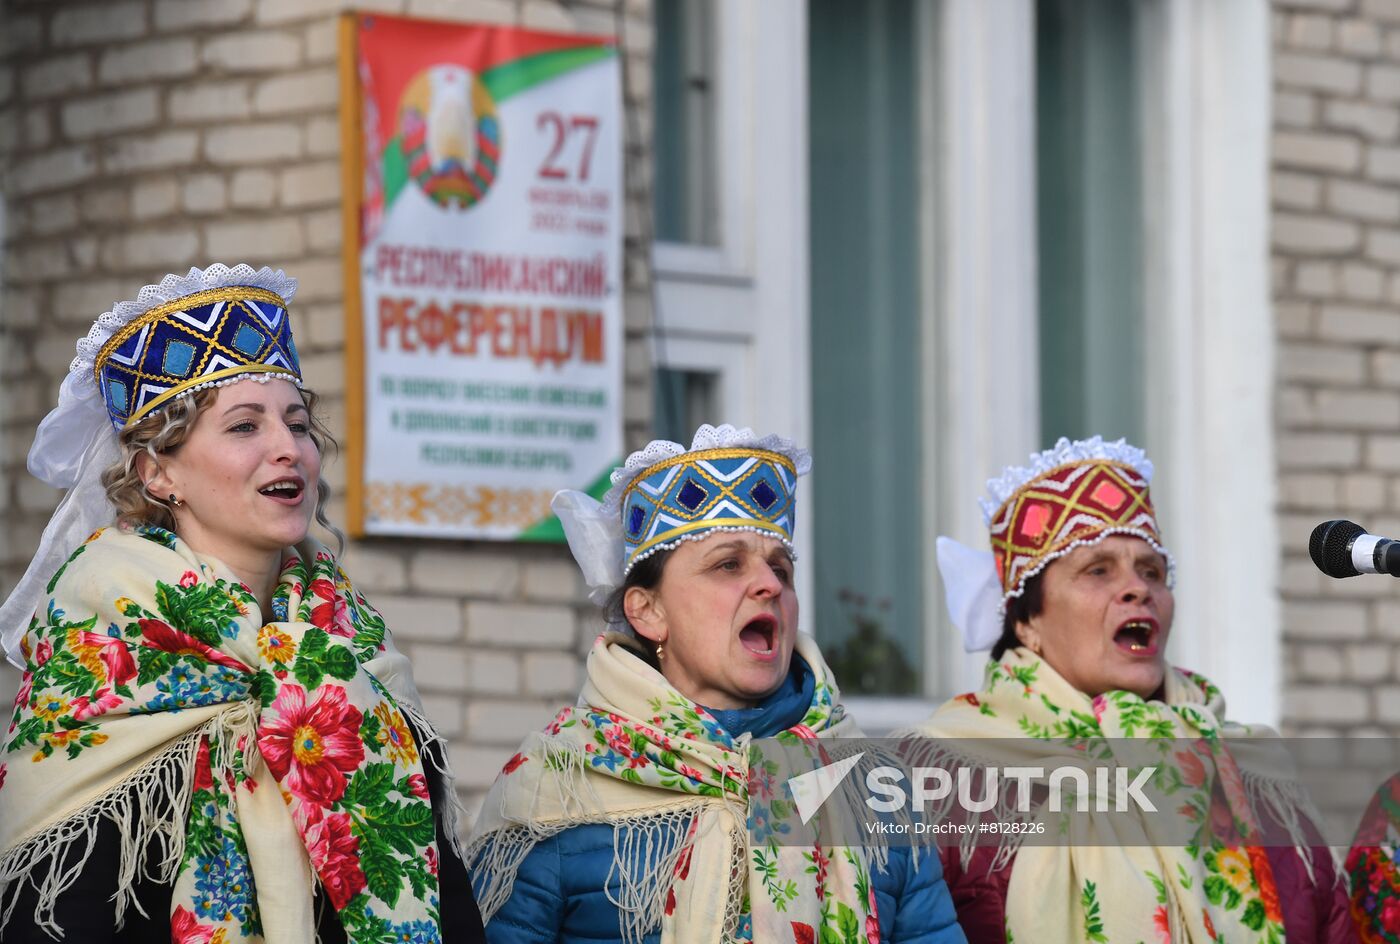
[{"x": 638, "y": 814}]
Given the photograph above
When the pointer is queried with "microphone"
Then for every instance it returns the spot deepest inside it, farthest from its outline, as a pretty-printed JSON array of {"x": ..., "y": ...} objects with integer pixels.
[{"x": 1344, "y": 549}]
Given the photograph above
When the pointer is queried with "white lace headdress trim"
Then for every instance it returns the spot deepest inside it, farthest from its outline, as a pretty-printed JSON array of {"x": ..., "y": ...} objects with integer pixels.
[
  {"x": 1013, "y": 478},
  {"x": 594, "y": 529},
  {"x": 75, "y": 442}
]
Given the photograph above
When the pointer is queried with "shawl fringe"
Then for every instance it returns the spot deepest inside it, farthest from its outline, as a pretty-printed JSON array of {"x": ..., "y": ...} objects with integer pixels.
[
  {"x": 930, "y": 752},
  {"x": 644, "y": 876},
  {"x": 147, "y": 807},
  {"x": 1292, "y": 807}
]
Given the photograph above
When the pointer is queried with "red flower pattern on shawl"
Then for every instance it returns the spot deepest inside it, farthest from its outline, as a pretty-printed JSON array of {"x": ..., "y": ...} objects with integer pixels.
[
  {"x": 335, "y": 854},
  {"x": 1193, "y": 770},
  {"x": 310, "y": 748},
  {"x": 872, "y": 920},
  {"x": 100, "y": 703},
  {"x": 331, "y": 614},
  {"x": 160, "y": 635},
  {"x": 184, "y": 929},
  {"x": 26, "y": 689},
  {"x": 1390, "y": 916},
  {"x": 1264, "y": 876},
  {"x": 203, "y": 772},
  {"x": 116, "y": 657}
]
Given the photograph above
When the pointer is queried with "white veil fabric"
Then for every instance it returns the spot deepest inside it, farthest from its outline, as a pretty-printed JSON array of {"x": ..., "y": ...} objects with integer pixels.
[
  {"x": 972, "y": 592},
  {"x": 76, "y": 441},
  {"x": 82, "y": 511}
]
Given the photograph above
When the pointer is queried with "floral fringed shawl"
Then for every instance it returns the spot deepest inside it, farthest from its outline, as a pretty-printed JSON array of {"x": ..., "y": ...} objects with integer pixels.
[
  {"x": 1373, "y": 865},
  {"x": 638, "y": 755},
  {"x": 1138, "y": 881},
  {"x": 241, "y": 760}
]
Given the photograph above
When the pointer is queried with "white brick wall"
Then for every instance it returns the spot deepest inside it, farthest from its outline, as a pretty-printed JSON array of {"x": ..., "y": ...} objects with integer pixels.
[
  {"x": 1336, "y": 198},
  {"x": 149, "y": 135}
]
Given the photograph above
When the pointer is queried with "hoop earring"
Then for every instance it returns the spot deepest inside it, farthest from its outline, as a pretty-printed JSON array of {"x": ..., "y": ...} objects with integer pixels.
[{"x": 175, "y": 501}]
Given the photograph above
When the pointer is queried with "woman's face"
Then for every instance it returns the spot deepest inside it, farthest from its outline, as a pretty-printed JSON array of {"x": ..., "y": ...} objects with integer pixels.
[
  {"x": 247, "y": 473},
  {"x": 1105, "y": 618},
  {"x": 725, "y": 612}
]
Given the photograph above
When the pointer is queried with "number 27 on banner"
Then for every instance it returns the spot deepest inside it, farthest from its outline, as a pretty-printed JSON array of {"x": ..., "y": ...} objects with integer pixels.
[{"x": 574, "y": 135}]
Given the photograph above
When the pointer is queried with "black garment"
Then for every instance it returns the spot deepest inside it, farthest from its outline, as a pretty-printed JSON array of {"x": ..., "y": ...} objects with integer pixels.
[
  {"x": 86, "y": 911},
  {"x": 87, "y": 914}
]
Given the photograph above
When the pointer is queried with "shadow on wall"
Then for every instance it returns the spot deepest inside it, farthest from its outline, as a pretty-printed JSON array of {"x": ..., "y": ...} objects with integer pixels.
[{"x": 9, "y": 686}]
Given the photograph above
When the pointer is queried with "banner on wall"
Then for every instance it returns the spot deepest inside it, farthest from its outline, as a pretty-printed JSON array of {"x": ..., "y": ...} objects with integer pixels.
[{"x": 483, "y": 182}]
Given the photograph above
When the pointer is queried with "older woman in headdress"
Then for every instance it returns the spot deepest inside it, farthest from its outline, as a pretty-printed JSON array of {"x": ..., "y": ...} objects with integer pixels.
[
  {"x": 214, "y": 739},
  {"x": 1075, "y": 602},
  {"x": 625, "y": 820}
]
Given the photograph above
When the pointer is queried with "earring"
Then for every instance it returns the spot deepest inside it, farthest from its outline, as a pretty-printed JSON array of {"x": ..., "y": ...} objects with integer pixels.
[
  {"x": 175, "y": 501},
  {"x": 660, "y": 652}
]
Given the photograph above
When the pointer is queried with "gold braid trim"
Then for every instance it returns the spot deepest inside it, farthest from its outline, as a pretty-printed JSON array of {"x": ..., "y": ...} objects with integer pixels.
[
  {"x": 232, "y": 293},
  {"x": 689, "y": 458}
]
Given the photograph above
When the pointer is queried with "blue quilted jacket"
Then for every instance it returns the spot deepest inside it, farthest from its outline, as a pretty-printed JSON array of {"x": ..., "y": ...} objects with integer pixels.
[{"x": 561, "y": 894}]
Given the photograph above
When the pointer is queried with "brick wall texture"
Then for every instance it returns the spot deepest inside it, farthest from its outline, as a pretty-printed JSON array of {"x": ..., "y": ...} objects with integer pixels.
[
  {"x": 140, "y": 137},
  {"x": 1336, "y": 273}
]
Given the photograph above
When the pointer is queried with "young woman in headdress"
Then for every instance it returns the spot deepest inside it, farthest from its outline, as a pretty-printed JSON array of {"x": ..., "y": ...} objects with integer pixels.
[
  {"x": 640, "y": 813},
  {"x": 214, "y": 739}
]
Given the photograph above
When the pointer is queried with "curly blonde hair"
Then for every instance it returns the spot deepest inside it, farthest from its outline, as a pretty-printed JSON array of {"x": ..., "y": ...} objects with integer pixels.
[{"x": 162, "y": 433}]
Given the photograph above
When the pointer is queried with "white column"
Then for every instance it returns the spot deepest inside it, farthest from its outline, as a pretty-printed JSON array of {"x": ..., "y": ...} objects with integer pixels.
[
  {"x": 985, "y": 285},
  {"x": 781, "y": 245},
  {"x": 1210, "y": 351}
]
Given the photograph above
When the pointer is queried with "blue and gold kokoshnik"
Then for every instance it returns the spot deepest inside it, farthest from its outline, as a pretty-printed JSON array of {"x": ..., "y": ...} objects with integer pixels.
[
  {"x": 192, "y": 342},
  {"x": 730, "y": 489}
]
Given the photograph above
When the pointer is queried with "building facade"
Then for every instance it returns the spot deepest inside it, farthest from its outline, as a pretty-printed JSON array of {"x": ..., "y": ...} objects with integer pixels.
[
  {"x": 1335, "y": 196},
  {"x": 923, "y": 236}
]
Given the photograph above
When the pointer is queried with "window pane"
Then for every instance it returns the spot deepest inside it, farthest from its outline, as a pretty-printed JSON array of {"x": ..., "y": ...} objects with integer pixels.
[
  {"x": 683, "y": 399},
  {"x": 685, "y": 194},
  {"x": 1090, "y": 220},
  {"x": 868, "y": 483}
]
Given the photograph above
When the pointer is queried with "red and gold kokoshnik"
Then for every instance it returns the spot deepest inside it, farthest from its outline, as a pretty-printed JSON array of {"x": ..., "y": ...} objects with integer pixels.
[{"x": 1073, "y": 503}]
